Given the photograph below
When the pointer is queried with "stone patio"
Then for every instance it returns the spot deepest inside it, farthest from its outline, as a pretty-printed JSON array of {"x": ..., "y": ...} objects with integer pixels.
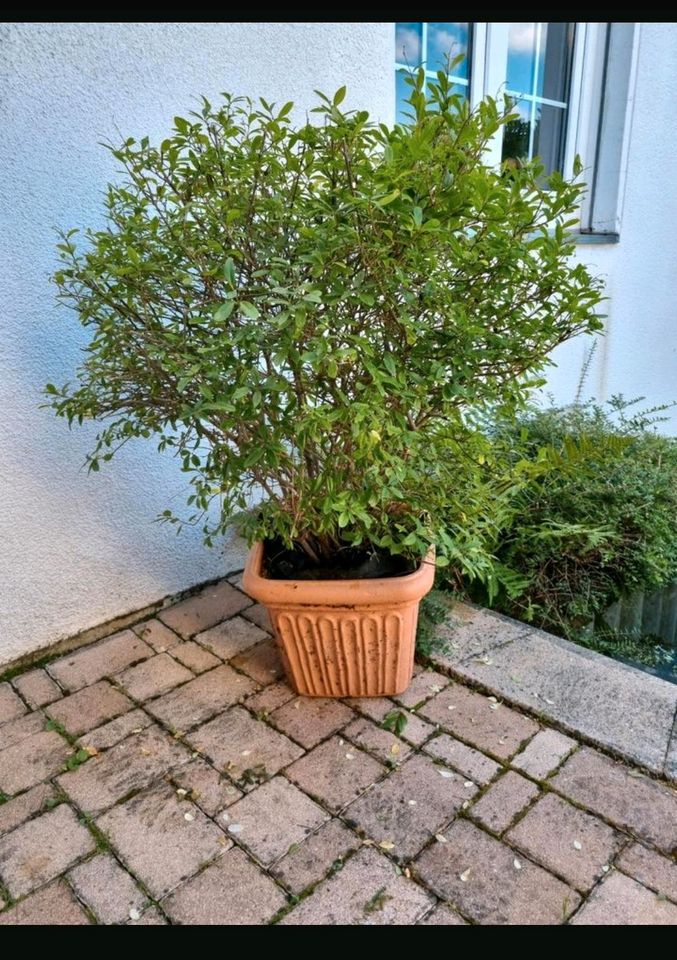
[{"x": 167, "y": 774}]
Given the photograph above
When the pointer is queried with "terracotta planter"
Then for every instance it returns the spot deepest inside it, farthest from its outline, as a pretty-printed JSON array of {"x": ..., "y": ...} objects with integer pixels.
[{"x": 343, "y": 638}]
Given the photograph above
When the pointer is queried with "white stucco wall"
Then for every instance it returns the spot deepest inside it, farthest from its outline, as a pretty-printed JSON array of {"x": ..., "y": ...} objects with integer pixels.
[
  {"x": 638, "y": 354},
  {"x": 75, "y": 549}
]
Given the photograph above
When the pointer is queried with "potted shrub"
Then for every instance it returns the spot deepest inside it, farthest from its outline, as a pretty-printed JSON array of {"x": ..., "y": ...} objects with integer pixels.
[{"x": 310, "y": 317}]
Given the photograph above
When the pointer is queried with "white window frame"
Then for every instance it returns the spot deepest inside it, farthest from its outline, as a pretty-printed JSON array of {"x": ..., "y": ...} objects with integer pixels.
[{"x": 599, "y": 110}]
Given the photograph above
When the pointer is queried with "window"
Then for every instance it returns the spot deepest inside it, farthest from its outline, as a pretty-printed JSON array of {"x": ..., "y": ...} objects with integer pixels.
[
  {"x": 430, "y": 45},
  {"x": 572, "y": 85}
]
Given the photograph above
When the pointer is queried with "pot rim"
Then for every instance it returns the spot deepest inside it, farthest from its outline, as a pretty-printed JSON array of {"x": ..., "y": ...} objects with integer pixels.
[{"x": 367, "y": 592}]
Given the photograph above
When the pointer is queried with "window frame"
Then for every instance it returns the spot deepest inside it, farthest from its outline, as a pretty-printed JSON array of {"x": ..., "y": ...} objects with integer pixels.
[{"x": 599, "y": 110}]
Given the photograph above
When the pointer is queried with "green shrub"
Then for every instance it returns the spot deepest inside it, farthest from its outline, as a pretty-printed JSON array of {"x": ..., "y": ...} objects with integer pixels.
[
  {"x": 306, "y": 315},
  {"x": 597, "y": 521}
]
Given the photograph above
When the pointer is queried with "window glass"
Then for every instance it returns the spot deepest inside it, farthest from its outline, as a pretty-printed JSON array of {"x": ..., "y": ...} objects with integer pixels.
[{"x": 430, "y": 45}]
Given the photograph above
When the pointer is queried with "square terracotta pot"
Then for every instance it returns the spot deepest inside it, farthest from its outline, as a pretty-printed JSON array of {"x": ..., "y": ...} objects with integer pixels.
[{"x": 343, "y": 638}]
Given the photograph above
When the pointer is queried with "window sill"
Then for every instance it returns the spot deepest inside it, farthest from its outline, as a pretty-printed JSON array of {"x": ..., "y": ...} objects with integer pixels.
[{"x": 595, "y": 238}]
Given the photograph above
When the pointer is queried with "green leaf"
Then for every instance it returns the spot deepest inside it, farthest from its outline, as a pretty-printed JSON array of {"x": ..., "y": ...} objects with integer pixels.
[
  {"x": 389, "y": 197},
  {"x": 224, "y": 311},
  {"x": 229, "y": 272},
  {"x": 389, "y": 364},
  {"x": 417, "y": 214},
  {"x": 249, "y": 310},
  {"x": 339, "y": 96}
]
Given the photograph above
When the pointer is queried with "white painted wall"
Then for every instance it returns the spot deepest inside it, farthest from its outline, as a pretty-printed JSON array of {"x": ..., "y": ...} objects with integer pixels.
[
  {"x": 638, "y": 354},
  {"x": 76, "y": 550}
]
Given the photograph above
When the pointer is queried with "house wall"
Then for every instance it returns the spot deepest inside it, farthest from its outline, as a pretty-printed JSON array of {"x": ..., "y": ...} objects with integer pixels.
[
  {"x": 78, "y": 549},
  {"x": 638, "y": 354}
]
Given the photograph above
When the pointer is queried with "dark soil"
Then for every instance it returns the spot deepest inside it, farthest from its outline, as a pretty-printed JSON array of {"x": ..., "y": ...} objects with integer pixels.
[{"x": 349, "y": 563}]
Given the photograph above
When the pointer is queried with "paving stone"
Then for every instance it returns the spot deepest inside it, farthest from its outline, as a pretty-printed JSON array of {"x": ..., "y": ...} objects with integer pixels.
[
  {"x": 151, "y": 918},
  {"x": 571, "y": 843},
  {"x": 373, "y": 707},
  {"x": 130, "y": 765},
  {"x": 443, "y": 915},
  {"x": 311, "y": 719},
  {"x": 53, "y": 906},
  {"x": 504, "y": 800},
  {"x": 195, "y": 657},
  {"x": 237, "y": 743},
  {"x": 261, "y": 662},
  {"x": 472, "y": 633},
  {"x": 35, "y": 758},
  {"x": 258, "y": 614},
  {"x": 649, "y": 868},
  {"x": 308, "y": 862},
  {"x": 670, "y": 769},
  {"x": 17, "y": 730},
  {"x": 621, "y": 901},
  {"x": 206, "y": 787},
  {"x": 37, "y": 688},
  {"x": 153, "y": 677},
  {"x": 636, "y": 803},
  {"x": 544, "y": 753},
  {"x": 471, "y": 763},
  {"x": 423, "y": 686},
  {"x": 113, "y": 732},
  {"x": 479, "y": 875},
  {"x": 366, "y": 891},
  {"x": 272, "y": 818},
  {"x": 472, "y": 717},
  {"x": 11, "y": 705},
  {"x": 383, "y": 743},
  {"x": 417, "y": 731},
  {"x": 89, "y": 707},
  {"x": 231, "y": 637},
  {"x": 614, "y": 705},
  {"x": 16, "y": 811},
  {"x": 41, "y": 849},
  {"x": 107, "y": 889},
  {"x": 157, "y": 842},
  {"x": 236, "y": 579},
  {"x": 201, "y": 698},
  {"x": 335, "y": 773},
  {"x": 204, "y": 609},
  {"x": 157, "y": 635},
  {"x": 231, "y": 891},
  {"x": 270, "y": 698},
  {"x": 103, "y": 659},
  {"x": 386, "y": 813}
]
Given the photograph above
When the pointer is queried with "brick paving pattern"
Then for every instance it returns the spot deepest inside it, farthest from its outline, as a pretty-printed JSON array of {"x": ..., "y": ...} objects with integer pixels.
[{"x": 167, "y": 774}]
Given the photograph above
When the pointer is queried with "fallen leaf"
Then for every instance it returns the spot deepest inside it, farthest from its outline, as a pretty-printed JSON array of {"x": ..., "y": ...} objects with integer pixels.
[
  {"x": 134, "y": 914},
  {"x": 516, "y": 864},
  {"x": 137, "y": 729},
  {"x": 387, "y": 845},
  {"x": 441, "y": 838},
  {"x": 578, "y": 845},
  {"x": 437, "y": 688},
  {"x": 447, "y": 774},
  {"x": 189, "y": 816},
  {"x": 245, "y": 753},
  {"x": 225, "y": 815},
  {"x": 551, "y": 702},
  {"x": 465, "y": 876},
  {"x": 492, "y": 699},
  {"x": 92, "y": 751},
  {"x": 605, "y": 868},
  {"x": 407, "y": 872},
  {"x": 350, "y": 756},
  {"x": 341, "y": 742},
  {"x": 637, "y": 775},
  {"x": 395, "y": 748},
  {"x": 235, "y": 828},
  {"x": 465, "y": 804},
  {"x": 494, "y": 706},
  {"x": 222, "y": 839},
  {"x": 297, "y": 705},
  {"x": 451, "y": 707},
  {"x": 412, "y": 803},
  {"x": 468, "y": 783},
  {"x": 181, "y": 792}
]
